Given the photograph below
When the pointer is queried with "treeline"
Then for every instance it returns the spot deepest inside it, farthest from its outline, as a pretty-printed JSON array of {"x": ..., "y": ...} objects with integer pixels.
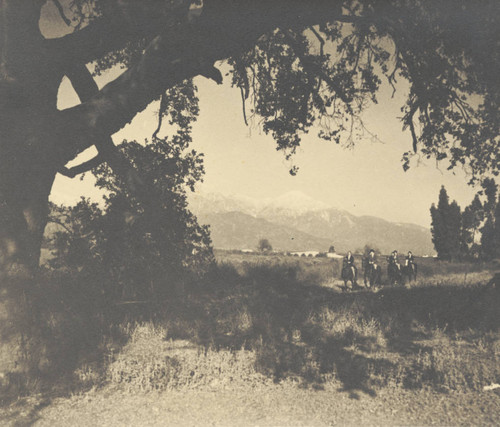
[{"x": 471, "y": 234}]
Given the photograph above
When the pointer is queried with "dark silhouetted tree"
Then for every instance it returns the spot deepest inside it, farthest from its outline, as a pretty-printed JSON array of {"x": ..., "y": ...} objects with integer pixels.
[
  {"x": 446, "y": 227},
  {"x": 264, "y": 246},
  {"x": 472, "y": 218},
  {"x": 489, "y": 241},
  {"x": 490, "y": 188},
  {"x": 137, "y": 252}
]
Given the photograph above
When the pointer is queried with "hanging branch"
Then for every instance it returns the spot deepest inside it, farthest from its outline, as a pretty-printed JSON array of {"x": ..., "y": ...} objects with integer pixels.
[
  {"x": 321, "y": 41},
  {"x": 60, "y": 9},
  {"x": 409, "y": 122},
  {"x": 311, "y": 67},
  {"x": 161, "y": 112},
  {"x": 243, "y": 97}
]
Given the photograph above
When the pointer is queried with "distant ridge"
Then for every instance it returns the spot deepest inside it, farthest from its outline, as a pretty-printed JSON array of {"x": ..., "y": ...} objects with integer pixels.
[
  {"x": 295, "y": 222},
  {"x": 237, "y": 230}
]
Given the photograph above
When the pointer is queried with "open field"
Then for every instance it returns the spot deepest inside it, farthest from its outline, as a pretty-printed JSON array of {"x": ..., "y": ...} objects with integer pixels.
[
  {"x": 326, "y": 271},
  {"x": 268, "y": 340}
]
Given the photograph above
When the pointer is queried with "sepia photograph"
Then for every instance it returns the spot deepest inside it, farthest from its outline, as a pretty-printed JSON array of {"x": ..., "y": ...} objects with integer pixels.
[{"x": 249, "y": 212}]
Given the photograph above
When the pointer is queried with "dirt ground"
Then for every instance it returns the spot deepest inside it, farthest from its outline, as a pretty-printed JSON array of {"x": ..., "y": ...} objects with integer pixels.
[{"x": 282, "y": 405}]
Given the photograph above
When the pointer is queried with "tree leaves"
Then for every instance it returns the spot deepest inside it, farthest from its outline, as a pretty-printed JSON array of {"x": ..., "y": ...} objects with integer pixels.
[{"x": 299, "y": 78}]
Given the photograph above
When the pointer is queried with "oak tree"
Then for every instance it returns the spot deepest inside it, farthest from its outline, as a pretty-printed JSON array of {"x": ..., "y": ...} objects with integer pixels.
[{"x": 299, "y": 65}]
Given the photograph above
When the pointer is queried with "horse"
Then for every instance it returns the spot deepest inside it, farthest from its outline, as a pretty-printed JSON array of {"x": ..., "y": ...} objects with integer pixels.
[
  {"x": 410, "y": 271},
  {"x": 372, "y": 274},
  {"x": 348, "y": 275},
  {"x": 394, "y": 274}
]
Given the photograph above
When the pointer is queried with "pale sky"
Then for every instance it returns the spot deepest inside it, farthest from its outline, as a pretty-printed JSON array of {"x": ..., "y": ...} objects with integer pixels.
[{"x": 365, "y": 180}]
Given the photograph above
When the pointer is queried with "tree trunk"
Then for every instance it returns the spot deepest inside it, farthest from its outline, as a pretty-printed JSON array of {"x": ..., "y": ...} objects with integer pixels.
[
  {"x": 36, "y": 140},
  {"x": 24, "y": 191},
  {"x": 28, "y": 160}
]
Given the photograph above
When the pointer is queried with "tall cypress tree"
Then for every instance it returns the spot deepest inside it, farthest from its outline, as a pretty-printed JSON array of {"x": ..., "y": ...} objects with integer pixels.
[
  {"x": 472, "y": 217},
  {"x": 446, "y": 227},
  {"x": 490, "y": 191},
  {"x": 453, "y": 230},
  {"x": 489, "y": 242}
]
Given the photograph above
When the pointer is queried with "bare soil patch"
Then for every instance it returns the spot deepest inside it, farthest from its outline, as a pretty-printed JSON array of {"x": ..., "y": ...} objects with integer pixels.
[{"x": 284, "y": 404}]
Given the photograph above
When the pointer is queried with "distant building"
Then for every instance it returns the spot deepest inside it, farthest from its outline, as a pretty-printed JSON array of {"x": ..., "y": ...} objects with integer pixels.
[
  {"x": 247, "y": 251},
  {"x": 304, "y": 253},
  {"x": 333, "y": 255}
]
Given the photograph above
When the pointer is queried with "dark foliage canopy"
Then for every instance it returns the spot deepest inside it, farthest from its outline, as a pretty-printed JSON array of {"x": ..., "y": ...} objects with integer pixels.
[
  {"x": 135, "y": 249},
  {"x": 301, "y": 64}
]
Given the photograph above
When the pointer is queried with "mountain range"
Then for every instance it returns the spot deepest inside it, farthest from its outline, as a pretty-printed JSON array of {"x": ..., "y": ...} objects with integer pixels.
[{"x": 297, "y": 222}]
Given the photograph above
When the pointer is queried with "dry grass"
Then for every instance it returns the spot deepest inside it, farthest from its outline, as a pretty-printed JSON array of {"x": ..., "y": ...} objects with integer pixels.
[
  {"x": 270, "y": 324},
  {"x": 327, "y": 270},
  {"x": 152, "y": 362},
  {"x": 273, "y": 321}
]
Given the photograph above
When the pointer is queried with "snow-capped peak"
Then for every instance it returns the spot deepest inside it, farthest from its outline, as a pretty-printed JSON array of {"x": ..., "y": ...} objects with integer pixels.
[
  {"x": 298, "y": 202},
  {"x": 293, "y": 202}
]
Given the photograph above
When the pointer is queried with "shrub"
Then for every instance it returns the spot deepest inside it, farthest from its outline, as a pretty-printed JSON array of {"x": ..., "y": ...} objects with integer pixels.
[
  {"x": 145, "y": 246},
  {"x": 264, "y": 246}
]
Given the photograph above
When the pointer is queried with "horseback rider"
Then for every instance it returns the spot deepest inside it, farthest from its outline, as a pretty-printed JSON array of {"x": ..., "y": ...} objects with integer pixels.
[
  {"x": 371, "y": 259},
  {"x": 370, "y": 262},
  {"x": 409, "y": 259},
  {"x": 349, "y": 262},
  {"x": 393, "y": 259}
]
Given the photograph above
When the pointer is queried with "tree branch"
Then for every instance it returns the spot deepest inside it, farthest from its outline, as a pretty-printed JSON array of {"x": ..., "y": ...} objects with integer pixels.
[
  {"x": 182, "y": 51},
  {"x": 311, "y": 67},
  {"x": 58, "y": 222},
  {"x": 86, "y": 87},
  {"x": 321, "y": 41},
  {"x": 409, "y": 122},
  {"x": 60, "y": 9},
  {"x": 83, "y": 167},
  {"x": 101, "y": 36},
  {"x": 82, "y": 81},
  {"x": 161, "y": 112},
  {"x": 243, "y": 106}
]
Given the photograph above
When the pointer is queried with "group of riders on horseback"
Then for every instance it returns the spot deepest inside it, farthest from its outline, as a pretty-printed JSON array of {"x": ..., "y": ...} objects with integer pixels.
[{"x": 372, "y": 272}]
